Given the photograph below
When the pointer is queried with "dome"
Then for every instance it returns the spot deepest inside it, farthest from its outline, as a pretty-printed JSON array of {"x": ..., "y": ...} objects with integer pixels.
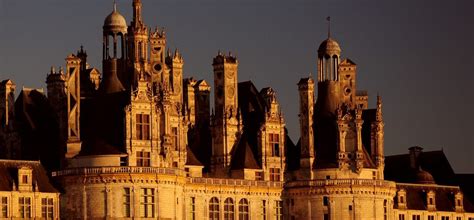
[
  {"x": 115, "y": 22},
  {"x": 424, "y": 177},
  {"x": 329, "y": 47}
]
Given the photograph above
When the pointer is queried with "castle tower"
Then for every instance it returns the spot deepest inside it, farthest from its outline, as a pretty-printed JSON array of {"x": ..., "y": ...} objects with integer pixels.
[
  {"x": 138, "y": 42},
  {"x": 157, "y": 54},
  {"x": 176, "y": 77},
  {"x": 114, "y": 53},
  {"x": 306, "y": 92},
  {"x": 378, "y": 147},
  {"x": 226, "y": 125},
  {"x": 57, "y": 97},
  {"x": 73, "y": 82},
  {"x": 8, "y": 136}
]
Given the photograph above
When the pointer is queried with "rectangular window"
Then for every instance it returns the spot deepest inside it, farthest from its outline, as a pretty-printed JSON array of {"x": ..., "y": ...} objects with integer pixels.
[
  {"x": 147, "y": 203},
  {"x": 274, "y": 174},
  {"x": 25, "y": 207},
  {"x": 47, "y": 208},
  {"x": 458, "y": 218},
  {"x": 264, "y": 210},
  {"x": 174, "y": 138},
  {"x": 143, "y": 126},
  {"x": 401, "y": 216},
  {"x": 444, "y": 218},
  {"x": 274, "y": 144},
  {"x": 326, "y": 217},
  {"x": 259, "y": 175},
  {"x": 126, "y": 202},
  {"x": 415, "y": 217},
  {"x": 4, "y": 204},
  {"x": 143, "y": 159},
  {"x": 24, "y": 179},
  {"x": 431, "y": 201},
  {"x": 192, "y": 208},
  {"x": 430, "y": 217},
  {"x": 278, "y": 210}
]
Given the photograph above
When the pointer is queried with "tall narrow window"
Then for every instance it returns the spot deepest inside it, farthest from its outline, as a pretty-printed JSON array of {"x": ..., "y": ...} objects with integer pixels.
[
  {"x": 415, "y": 217},
  {"x": 4, "y": 204},
  {"x": 143, "y": 159},
  {"x": 24, "y": 179},
  {"x": 47, "y": 208},
  {"x": 174, "y": 138},
  {"x": 264, "y": 210},
  {"x": 274, "y": 174},
  {"x": 229, "y": 209},
  {"x": 192, "y": 208},
  {"x": 126, "y": 202},
  {"x": 25, "y": 207},
  {"x": 143, "y": 126},
  {"x": 325, "y": 201},
  {"x": 278, "y": 210},
  {"x": 274, "y": 142},
  {"x": 147, "y": 203},
  {"x": 430, "y": 217},
  {"x": 385, "y": 210},
  {"x": 214, "y": 209},
  {"x": 243, "y": 209},
  {"x": 401, "y": 216}
]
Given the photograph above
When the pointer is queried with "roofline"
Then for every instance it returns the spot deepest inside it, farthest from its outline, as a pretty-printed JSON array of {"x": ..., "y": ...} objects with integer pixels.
[
  {"x": 394, "y": 155},
  {"x": 21, "y": 161},
  {"x": 428, "y": 185}
]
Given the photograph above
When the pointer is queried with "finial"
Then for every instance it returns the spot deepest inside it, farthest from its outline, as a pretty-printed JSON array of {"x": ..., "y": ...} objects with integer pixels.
[
  {"x": 53, "y": 71},
  {"x": 329, "y": 26},
  {"x": 115, "y": 6},
  {"x": 219, "y": 53},
  {"x": 61, "y": 70}
]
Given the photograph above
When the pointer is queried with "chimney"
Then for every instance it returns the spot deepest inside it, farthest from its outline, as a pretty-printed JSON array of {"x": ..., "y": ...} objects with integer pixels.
[{"x": 415, "y": 153}]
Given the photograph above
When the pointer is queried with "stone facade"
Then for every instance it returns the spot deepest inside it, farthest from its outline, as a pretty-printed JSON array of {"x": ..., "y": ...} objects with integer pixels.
[{"x": 140, "y": 141}]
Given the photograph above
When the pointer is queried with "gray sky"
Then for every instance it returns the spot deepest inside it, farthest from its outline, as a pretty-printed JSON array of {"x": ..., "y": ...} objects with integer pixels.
[{"x": 416, "y": 54}]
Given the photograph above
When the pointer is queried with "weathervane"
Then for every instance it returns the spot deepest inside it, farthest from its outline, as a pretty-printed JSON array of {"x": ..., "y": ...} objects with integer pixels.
[{"x": 329, "y": 26}]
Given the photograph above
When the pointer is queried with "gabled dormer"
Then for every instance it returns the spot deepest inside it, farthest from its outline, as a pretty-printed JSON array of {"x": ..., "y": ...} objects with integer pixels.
[
  {"x": 430, "y": 200},
  {"x": 25, "y": 179}
]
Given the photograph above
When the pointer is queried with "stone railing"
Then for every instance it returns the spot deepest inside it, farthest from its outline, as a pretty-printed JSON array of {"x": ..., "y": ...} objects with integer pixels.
[
  {"x": 119, "y": 170},
  {"x": 234, "y": 182},
  {"x": 340, "y": 182}
]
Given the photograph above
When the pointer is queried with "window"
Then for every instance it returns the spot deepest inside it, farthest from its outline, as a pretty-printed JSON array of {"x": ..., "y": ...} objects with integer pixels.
[
  {"x": 214, "y": 209},
  {"x": 47, "y": 208},
  {"x": 431, "y": 201},
  {"x": 278, "y": 210},
  {"x": 24, "y": 179},
  {"x": 458, "y": 218},
  {"x": 264, "y": 210},
  {"x": 430, "y": 217},
  {"x": 143, "y": 126},
  {"x": 243, "y": 209},
  {"x": 458, "y": 202},
  {"x": 401, "y": 199},
  {"x": 444, "y": 217},
  {"x": 25, "y": 207},
  {"x": 229, "y": 209},
  {"x": 126, "y": 202},
  {"x": 147, "y": 203},
  {"x": 415, "y": 217},
  {"x": 326, "y": 216},
  {"x": 274, "y": 174},
  {"x": 4, "y": 204},
  {"x": 258, "y": 175},
  {"x": 274, "y": 142},
  {"x": 385, "y": 210},
  {"x": 174, "y": 138},
  {"x": 143, "y": 159},
  {"x": 401, "y": 216},
  {"x": 192, "y": 208},
  {"x": 325, "y": 201}
]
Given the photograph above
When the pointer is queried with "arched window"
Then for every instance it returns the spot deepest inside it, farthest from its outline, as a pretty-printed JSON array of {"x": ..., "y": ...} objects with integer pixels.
[
  {"x": 214, "y": 209},
  {"x": 243, "y": 209},
  {"x": 229, "y": 209}
]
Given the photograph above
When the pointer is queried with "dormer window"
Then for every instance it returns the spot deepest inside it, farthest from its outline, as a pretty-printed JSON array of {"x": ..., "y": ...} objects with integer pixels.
[
  {"x": 458, "y": 199},
  {"x": 402, "y": 199},
  {"x": 430, "y": 200},
  {"x": 25, "y": 179}
]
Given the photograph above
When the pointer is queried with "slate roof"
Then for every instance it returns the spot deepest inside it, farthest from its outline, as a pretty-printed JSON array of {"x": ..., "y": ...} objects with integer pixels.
[
  {"x": 444, "y": 197},
  {"x": 191, "y": 159},
  {"x": 9, "y": 175},
  {"x": 398, "y": 169},
  {"x": 244, "y": 158}
]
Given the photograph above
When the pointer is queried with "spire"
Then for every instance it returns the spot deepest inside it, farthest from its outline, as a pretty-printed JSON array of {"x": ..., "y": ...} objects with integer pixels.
[
  {"x": 379, "y": 108},
  {"x": 329, "y": 26},
  {"x": 53, "y": 71},
  {"x": 115, "y": 7}
]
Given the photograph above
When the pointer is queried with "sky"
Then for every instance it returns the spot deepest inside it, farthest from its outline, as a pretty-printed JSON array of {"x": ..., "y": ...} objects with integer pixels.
[{"x": 416, "y": 54}]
